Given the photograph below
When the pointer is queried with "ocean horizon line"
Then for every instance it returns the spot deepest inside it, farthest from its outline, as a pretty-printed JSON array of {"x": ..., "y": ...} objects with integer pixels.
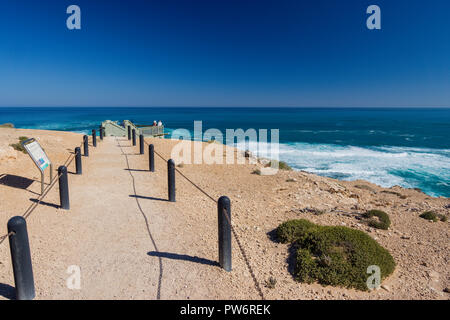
[
  {"x": 387, "y": 146},
  {"x": 249, "y": 107}
]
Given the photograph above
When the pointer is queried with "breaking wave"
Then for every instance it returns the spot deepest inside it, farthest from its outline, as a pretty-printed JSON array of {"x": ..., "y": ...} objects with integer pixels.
[{"x": 427, "y": 169}]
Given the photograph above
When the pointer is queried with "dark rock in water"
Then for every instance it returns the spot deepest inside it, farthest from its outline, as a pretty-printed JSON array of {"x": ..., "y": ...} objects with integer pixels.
[
  {"x": 7, "y": 125},
  {"x": 247, "y": 154}
]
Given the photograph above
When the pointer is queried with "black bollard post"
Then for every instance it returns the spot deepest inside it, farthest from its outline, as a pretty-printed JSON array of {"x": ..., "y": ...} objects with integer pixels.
[
  {"x": 63, "y": 188},
  {"x": 141, "y": 144},
  {"x": 21, "y": 258},
  {"x": 78, "y": 167},
  {"x": 129, "y": 132},
  {"x": 171, "y": 179},
  {"x": 86, "y": 145},
  {"x": 134, "y": 137},
  {"x": 94, "y": 138},
  {"x": 151, "y": 158},
  {"x": 224, "y": 218},
  {"x": 101, "y": 133}
]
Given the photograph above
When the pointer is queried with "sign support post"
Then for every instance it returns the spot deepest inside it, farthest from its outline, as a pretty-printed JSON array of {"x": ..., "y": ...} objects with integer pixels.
[{"x": 39, "y": 157}]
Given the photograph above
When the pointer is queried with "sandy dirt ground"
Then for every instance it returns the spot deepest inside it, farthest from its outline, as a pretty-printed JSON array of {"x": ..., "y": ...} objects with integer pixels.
[{"x": 131, "y": 243}]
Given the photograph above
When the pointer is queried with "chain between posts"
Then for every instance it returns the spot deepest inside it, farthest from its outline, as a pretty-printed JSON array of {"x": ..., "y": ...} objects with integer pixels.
[
  {"x": 34, "y": 205},
  {"x": 241, "y": 248}
]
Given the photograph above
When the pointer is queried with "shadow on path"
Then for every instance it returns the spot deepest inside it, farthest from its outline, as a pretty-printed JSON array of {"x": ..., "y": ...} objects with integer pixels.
[
  {"x": 136, "y": 197},
  {"x": 147, "y": 198},
  {"x": 14, "y": 181},
  {"x": 7, "y": 291},
  {"x": 48, "y": 204},
  {"x": 11, "y": 180},
  {"x": 183, "y": 257}
]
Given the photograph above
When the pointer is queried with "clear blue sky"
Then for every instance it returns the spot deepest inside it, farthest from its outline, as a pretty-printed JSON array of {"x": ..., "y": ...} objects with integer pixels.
[{"x": 225, "y": 53}]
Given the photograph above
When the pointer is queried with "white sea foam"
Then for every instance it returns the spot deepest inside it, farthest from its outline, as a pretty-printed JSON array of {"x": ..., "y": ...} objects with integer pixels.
[{"x": 385, "y": 166}]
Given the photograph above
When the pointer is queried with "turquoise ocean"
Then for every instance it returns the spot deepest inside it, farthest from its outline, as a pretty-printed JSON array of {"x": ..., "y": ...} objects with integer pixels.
[{"x": 386, "y": 146}]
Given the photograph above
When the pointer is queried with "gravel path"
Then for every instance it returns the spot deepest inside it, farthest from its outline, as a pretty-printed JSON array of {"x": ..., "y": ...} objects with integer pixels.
[{"x": 127, "y": 240}]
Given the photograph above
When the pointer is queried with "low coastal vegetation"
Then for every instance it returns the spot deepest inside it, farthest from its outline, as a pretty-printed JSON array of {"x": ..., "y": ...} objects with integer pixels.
[
  {"x": 18, "y": 146},
  {"x": 418, "y": 190},
  {"x": 257, "y": 171},
  {"x": 271, "y": 283},
  {"x": 398, "y": 194},
  {"x": 6, "y": 125},
  {"x": 333, "y": 255},
  {"x": 433, "y": 216},
  {"x": 314, "y": 211},
  {"x": 365, "y": 187},
  {"x": 281, "y": 165},
  {"x": 377, "y": 219}
]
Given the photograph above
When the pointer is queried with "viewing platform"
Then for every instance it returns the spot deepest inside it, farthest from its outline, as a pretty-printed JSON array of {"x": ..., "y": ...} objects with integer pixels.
[{"x": 114, "y": 129}]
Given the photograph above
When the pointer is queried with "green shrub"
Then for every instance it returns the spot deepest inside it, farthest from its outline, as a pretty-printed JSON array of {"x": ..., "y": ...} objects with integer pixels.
[
  {"x": 337, "y": 256},
  {"x": 257, "y": 171},
  {"x": 431, "y": 215},
  {"x": 401, "y": 196},
  {"x": 291, "y": 230},
  {"x": 365, "y": 187},
  {"x": 281, "y": 165},
  {"x": 18, "y": 146},
  {"x": 314, "y": 211},
  {"x": 384, "y": 221},
  {"x": 271, "y": 283}
]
